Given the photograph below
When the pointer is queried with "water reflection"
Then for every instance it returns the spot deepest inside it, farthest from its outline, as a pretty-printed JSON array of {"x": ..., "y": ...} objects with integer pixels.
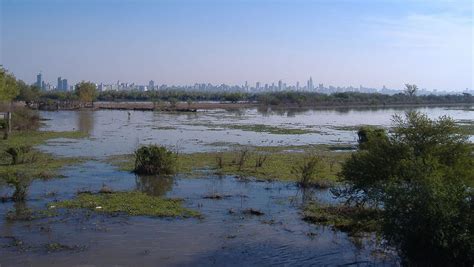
[
  {"x": 153, "y": 184},
  {"x": 85, "y": 121}
]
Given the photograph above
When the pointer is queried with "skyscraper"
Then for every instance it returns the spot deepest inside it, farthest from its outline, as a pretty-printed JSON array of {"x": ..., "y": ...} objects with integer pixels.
[
  {"x": 310, "y": 83},
  {"x": 60, "y": 84},
  {"x": 151, "y": 85},
  {"x": 64, "y": 85},
  {"x": 39, "y": 80},
  {"x": 280, "y": 85}
]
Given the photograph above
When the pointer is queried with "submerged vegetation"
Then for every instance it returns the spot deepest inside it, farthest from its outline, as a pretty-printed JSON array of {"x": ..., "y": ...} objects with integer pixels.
[
  {"x": 262, "y": 128},
  {"x": 131, "y": 203},
  {"x": 351, "y": 219}
]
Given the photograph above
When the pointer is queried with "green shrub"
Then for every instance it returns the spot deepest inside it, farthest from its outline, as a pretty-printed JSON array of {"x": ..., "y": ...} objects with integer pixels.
[
  {"x": 420, "y": 175},
  {"x": 19, "y": 154},
  {"x": 153, "y": 159}
]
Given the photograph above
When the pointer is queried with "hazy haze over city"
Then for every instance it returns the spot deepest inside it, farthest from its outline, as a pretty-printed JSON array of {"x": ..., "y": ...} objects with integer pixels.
[{"x": 370, "y": 43}]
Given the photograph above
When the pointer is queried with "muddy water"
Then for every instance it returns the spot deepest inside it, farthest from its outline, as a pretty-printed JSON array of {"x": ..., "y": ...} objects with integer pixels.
[{"x": 225, "y": 235}]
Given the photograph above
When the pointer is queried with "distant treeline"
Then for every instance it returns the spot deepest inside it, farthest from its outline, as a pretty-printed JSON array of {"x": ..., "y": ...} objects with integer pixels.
[{"x": 294, "y": 99}]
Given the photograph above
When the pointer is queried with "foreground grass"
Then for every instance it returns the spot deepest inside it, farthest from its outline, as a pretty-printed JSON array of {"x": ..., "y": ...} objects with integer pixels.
[
  {"x": 278, "y": 165},
  {"x": 35, "y": 164},
  {"x": 131, "y": 203},
  {"x": 352, "y": 220}
]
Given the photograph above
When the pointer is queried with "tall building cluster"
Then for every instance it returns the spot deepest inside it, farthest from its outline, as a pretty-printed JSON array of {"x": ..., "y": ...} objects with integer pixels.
[{"x": 62, "y": 84}]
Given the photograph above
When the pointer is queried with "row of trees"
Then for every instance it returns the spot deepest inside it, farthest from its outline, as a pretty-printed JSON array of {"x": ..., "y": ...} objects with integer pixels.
[
  {"x": 12, "y": 89},
  {"x": 421, "y": 176},
  {"x": 292, "y": 99},
  {"x": 86, "y": 92}
]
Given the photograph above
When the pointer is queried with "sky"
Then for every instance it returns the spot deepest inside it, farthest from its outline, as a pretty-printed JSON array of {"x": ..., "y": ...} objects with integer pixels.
[{"x": 342, "y": 43}]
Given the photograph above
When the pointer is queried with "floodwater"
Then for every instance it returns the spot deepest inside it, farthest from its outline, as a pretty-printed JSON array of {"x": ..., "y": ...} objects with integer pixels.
[
  {"x": 225, "y": 235},
  {"x": 115, "y": 132}
]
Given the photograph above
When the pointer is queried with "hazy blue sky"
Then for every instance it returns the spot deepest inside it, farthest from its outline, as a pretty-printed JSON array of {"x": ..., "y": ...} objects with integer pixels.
[{"x": 373, "y": 43}]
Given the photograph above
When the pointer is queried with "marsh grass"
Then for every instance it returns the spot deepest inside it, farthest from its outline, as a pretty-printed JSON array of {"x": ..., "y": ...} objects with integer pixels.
[
  {"x": 21, "y": 163},
  {"x": 278, "y": 165},
  {"x": 350, "y": 219},
  {"x": 260, "y": 160},
  {"x": 131, "y": 203},
  {"x": 307, "y": 171}
]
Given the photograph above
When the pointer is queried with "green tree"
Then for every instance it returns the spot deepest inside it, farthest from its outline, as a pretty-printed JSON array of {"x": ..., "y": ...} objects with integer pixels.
[
  {"x": 86, "y": 91},
  {"x": 28, "y": 93},
  {"x": 8, "y": 86},
  {"x": 421, "y": 175}
]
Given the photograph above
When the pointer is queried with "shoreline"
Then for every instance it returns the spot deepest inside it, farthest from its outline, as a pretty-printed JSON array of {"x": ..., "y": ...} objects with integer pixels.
[{"x": 193, "y": 107}]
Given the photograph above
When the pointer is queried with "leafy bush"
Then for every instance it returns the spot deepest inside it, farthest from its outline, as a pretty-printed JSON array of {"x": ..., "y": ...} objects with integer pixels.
[
  {"x": 19, "y": 154},
  {"x": 420, "y": 175},
  {"x": 153, "y": 159}
]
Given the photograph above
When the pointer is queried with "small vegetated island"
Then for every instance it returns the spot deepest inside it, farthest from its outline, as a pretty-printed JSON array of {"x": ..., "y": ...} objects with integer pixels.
[{"x": 411, "y": 186}]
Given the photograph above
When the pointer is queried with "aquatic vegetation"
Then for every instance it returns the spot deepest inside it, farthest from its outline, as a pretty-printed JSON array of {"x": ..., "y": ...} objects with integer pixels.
[
  {"x": 306, "y": 172},
  {"x": 153, "y": 159},
  {"x": 279, "y": 164},
  {"x": 242, "y": 156},
  {"x": 20, "y": 183},
  {"x": 260, "y": 159},
  {"x": 20, "y": 163},
  {"x": 57, "y": 247},
  {"x": 22, "y": 213},
  {"x": 351, "y": 219},
  {"x": 262, "y": 128},
  {"x": 18, "y": 154},
  {"x": 131, "y": 203},
  {"x": 33, "y": 138}
]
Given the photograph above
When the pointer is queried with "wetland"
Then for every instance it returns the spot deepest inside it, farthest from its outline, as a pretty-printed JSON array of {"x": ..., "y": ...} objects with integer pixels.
[{"x": 235, "y": 198}]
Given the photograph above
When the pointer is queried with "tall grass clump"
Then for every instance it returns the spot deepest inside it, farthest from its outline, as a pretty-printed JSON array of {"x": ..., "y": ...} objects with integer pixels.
[
  {"x": 19, "y": 154},
  {"x": 154, "y": 159},
  {"x": 24, "y": 119},
  {"x": 20, "y": 183},
  {"x": 308, "y": 172}
]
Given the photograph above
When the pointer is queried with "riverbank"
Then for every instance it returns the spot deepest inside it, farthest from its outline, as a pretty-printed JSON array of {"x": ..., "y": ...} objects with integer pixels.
[{"x": 192, "y": 107}]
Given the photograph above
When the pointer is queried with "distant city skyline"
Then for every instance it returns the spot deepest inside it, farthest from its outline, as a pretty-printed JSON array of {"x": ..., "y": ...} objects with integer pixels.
[
  {"x": 62, "y": 85},
  {"x": 342, "y": 43}
]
